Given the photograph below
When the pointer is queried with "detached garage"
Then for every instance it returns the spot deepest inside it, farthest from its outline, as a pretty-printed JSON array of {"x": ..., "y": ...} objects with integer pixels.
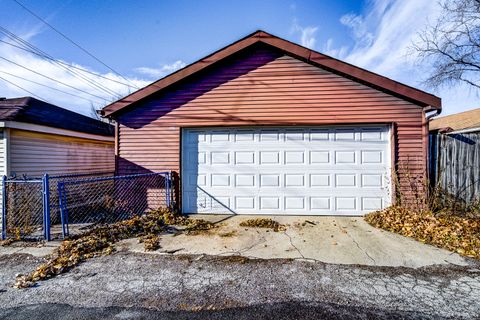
[{"x": 265, "y": 126}]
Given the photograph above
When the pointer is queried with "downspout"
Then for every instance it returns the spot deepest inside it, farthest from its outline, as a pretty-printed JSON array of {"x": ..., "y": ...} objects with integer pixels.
[
  {"x": 434, "y": 114},
  {"x": 113, "y": 122},
  {"x": 432, "y": 151}
]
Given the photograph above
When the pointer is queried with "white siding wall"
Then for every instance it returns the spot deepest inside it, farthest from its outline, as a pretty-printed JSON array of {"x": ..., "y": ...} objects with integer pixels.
[
  {"x": 3, "y": 163},
  {"x": 3, "y": 153},
  {"x": 34, "y": 154}
]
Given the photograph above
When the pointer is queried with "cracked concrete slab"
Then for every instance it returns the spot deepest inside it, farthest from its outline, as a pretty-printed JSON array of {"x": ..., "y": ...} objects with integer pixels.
[
  {"x": 36, "y": 249},
  {"x": 337, "y": 240}
]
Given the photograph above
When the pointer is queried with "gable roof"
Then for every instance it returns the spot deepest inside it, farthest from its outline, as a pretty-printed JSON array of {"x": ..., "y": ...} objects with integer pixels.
[
  {"x": 318, "y": 59},
  {"x": 459, "y": 121},
  {"x": 31, "y": 110}
]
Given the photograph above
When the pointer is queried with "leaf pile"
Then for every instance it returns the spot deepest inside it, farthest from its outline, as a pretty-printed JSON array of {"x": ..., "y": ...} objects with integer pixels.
[
  {"x": 263, "y": 223},
  {"x": 151, "y": 242},
  {"x": 457, "y": 234},
  {"x": 100, "y": 240}
]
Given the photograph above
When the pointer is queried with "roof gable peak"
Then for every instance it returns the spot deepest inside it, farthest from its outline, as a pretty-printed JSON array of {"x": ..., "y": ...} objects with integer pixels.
[{"x": 297, "y": 51}]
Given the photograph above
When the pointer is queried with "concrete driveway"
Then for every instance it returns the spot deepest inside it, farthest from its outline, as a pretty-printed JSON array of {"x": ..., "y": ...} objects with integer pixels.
[
  {"x": 337, "y": 240},
  {"x": 363, "y": 279}
]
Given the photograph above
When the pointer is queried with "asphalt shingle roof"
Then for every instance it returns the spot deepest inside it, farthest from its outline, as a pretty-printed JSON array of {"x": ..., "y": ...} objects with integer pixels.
[
  {"x": 31, "y": 110},
  {"x": 459, "y": 121}
]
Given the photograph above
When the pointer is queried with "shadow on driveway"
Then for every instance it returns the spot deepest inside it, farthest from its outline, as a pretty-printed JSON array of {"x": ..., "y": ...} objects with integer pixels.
[{"x": 278, "y": 311}]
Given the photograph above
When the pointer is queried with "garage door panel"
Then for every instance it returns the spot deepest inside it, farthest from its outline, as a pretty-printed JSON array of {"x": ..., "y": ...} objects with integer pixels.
[
  {"x": 313, "y": 170},
  {"x": 278, "y": 204},
  {"x": 293, "y": 179}
]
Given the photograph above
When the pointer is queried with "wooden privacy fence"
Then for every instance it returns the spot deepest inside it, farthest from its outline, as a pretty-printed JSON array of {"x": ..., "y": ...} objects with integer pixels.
[{"x": 455, "y": 164}]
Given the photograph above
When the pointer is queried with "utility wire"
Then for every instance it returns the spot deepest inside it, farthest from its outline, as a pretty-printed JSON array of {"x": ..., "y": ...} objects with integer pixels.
[
  {"x": 71, "y": 41},
  {"x": 16, "y": 85},
  {"x": 65, "y": 63},
  {"x": 43, "y": 54},
  {"x": 44, "y": 85},
  {"x": 50, "y": 78},
  {"x": 94, "y": 84}
]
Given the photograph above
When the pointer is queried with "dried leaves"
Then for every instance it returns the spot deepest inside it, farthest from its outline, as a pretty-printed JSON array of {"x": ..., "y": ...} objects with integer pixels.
[
  {"x": 99, "y": 241},
  {"x": 69, "y": 254},
  {"x": 457, "y": 234},
  {"x": 151, "y": 242},
  {"x": 7, "y": 242},
  {"x": 263, "y": 223}
]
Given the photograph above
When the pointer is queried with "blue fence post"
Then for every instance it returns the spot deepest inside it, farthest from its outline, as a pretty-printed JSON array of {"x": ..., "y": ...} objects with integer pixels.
[
  {"x": 46, "y": 207},
  {"x": 62, "y": 205},
  {"x": 4, "y": 207},
  {"x": 169, "y": 189},
  {"x": 167, "y": 185}
]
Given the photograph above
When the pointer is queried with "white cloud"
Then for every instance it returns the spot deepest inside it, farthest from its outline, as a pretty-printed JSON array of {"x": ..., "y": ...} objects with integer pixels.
[
  {"x": 162, "y": 71},
  {"x": 359, "y": 28},
  {"x": 330, "y": 49},
  {"x": 307, "y": 34},
  {"x": 83, "y": 101},
  {"x": 382, "y": 38}
]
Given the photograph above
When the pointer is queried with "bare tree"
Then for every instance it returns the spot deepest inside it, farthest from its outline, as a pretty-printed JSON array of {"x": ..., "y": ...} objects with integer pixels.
[{"x": 452, "y": 44}]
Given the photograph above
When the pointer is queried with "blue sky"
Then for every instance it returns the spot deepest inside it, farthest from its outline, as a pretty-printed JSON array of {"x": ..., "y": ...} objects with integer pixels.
[{"x": 145, "y": 40}]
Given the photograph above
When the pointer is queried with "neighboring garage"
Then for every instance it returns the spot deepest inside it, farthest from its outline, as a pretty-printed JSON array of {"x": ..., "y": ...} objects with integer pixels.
[
  {"x": 37, "y": 137},
  {"x": 265, "y": 126}
]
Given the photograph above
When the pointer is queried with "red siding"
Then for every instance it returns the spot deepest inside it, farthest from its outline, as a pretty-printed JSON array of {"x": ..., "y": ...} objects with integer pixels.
[{"x": 261, "y": 87}]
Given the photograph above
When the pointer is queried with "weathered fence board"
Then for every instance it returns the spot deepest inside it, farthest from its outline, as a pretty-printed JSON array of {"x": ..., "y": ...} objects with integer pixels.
[{"x": 455, "y": 163}]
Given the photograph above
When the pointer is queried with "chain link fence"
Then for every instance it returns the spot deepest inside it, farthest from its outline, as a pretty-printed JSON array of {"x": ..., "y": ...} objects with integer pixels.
[
  {"x": 42, "y": 208},
  {"x": 22, "y": 208},
  {"x": 111, "y": 199},
  {"x": 53, "y": 190},
  {"x": 30, "y": 205}
]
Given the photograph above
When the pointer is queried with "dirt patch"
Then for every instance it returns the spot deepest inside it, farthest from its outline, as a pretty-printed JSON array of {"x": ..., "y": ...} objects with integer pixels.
[
  {"x": 236, "y": 259},
  {"x": 457, "y": 234},
  {"x": 263, "y": 223},
  {"x": 228, "y": 234}
]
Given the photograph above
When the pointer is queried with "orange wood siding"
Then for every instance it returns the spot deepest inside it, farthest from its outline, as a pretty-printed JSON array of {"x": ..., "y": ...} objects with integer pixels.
[{"x": 261, "y": 87}]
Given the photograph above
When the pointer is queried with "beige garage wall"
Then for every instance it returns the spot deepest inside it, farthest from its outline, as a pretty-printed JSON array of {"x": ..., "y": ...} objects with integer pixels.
[{"x": 34, "y": 154}]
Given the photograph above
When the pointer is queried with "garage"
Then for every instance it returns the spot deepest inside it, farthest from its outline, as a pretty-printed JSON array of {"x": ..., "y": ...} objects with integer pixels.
[
  {"x": 296, "y": 171},
  {"x": 266, "y": 126}
]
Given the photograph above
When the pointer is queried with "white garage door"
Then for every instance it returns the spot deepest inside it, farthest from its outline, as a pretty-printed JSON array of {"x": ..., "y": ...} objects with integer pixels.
[{"x": 287, "y": 170}]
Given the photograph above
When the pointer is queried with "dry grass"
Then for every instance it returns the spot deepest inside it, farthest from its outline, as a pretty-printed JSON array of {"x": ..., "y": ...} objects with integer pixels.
[
  {"x": 457, "y": 234},
  {"x": 263, "y": 223}
]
